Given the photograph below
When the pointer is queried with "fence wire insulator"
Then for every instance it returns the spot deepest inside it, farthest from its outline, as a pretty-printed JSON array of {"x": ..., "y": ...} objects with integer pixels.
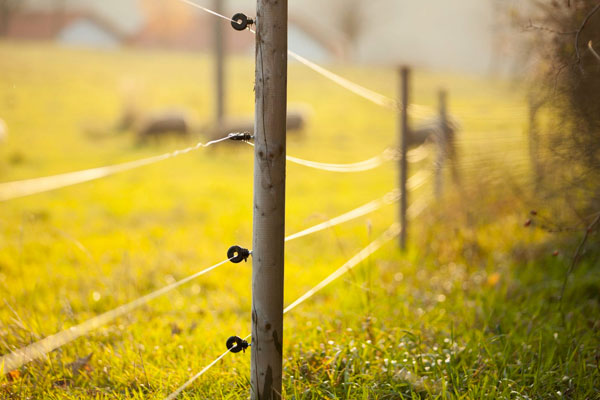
[
  {"x": 235, "y": 344},
  {"x": 240, "y": 21},
  {"x": 236, "y": 254},
  {"x": 242, "y": 136}
]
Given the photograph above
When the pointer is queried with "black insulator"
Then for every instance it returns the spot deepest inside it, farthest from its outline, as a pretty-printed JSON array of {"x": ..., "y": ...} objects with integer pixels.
[
  {"x": 245, "y": 136},
  {"x": 236, "y": 254},
  {"x": 235, "y": 344},
  {"x": 240, "y": 21}
]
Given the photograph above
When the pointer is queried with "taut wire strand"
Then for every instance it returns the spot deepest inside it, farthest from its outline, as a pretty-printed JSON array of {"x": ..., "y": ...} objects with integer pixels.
[
  {"x": 414, "y": 156},
  {"x": 17, "y": 358},
  {"x": 16, "y": 189},
  {"x": 191, "y": 3},
  {"x": 391, "y": 197},
  {"x": 368, "y": 94},
  {"x": 388, "y": 235}
]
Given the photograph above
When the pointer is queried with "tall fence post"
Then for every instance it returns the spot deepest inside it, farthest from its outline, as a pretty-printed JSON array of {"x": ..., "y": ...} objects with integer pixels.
[
  {"x": 269, "y": 199},
  {"x": 219, "y": 54},
  {"x": 441, "y": 138},
  {"x": 403, "y": 134}
]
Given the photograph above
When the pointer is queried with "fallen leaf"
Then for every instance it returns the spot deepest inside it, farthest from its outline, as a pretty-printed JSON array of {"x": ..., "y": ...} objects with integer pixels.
[{"x": 14, "y": 375}]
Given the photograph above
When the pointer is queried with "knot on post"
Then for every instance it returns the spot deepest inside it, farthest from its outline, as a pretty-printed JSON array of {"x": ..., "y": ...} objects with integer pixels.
[
  {"x": 240, "y": 21},
  {"x": 236, "y": 254},
  {"x": 242, "y": 136},
  {"x": 235, "y": 344}
]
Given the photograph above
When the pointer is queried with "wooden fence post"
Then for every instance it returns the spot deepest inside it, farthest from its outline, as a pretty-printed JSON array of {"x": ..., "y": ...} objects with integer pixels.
[
  {"x": 269, "y": 199},
  {"x": 442, "y": 145},
  {"x": 403, "y": 134},
  {"x": 219, "y": 67},
  {"x": 534, "y": 160}
]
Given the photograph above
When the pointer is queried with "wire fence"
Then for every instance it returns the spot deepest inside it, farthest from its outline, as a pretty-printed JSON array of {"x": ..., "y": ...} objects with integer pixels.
[
  {"x": 12, "y": 190},
  {"x": 392, "y": 232},
  {"x": 19, "y": 357},
  {"x": 16, "y": 189}
]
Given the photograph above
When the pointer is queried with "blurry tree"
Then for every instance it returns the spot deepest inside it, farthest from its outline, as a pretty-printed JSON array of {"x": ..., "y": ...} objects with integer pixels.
[
  {"x": 568, "y": 82},
  {"x": 7, "y": 10}
]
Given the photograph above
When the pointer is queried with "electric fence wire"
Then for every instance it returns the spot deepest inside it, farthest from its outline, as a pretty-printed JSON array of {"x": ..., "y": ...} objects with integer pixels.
[
  {"x": 413, "y": 183},
  {"x": 368, "y": 94},
  {"x": 22, "y": 188},
  {"x": 416, "y": 110},
  {"x": 415, "y": 155},
  {"x": 19, "y": 357},
  {"x": 362, "y": 255}
]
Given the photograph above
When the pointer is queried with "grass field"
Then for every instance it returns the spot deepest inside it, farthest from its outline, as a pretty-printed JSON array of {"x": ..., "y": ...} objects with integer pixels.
[{"x": 470, "y": 311}]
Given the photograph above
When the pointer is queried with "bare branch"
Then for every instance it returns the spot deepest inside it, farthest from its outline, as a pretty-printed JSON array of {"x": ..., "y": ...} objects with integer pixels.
[
  {"x": 593, "y": 51},
  {"x": 583, "y": 24},
  {"x": 532, "y": 26}
]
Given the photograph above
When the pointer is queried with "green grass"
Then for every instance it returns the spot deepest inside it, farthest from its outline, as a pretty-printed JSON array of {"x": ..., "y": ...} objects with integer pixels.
[{"x": 470, "y": 311}]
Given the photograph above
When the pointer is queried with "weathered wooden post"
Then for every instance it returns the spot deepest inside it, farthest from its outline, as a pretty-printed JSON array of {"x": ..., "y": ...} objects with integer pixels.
[
  {"x": 441, "y": 138},
  {"x": 219, "y": 67},
  {"x": 269, "y": 199},
  {"x": 403, "y": 134}
]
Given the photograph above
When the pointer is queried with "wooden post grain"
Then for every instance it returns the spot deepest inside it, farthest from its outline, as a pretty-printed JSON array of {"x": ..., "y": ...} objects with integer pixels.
[
  {"x": 269, "y": 199},
  {"x": 219, "y": 53},
  {"x": 403, "y": 134}
]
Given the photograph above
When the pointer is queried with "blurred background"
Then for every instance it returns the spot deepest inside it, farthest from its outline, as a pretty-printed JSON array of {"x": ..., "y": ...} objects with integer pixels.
[
  {"x": 497, "y": 292},
  {"x": 378, "y": 32}
]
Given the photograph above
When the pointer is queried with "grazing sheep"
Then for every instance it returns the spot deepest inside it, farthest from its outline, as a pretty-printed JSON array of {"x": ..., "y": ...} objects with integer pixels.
[
  {"x": 430, "y": 129},
  {"x": 296, "y": 121},
  {"x": 161, "y": 124}
]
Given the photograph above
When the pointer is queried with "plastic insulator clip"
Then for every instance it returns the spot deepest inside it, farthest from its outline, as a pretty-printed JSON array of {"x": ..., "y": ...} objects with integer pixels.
[
  {"x": 240, "y": 21},
  {"x": 243, "y": 136},
  {"x": 236, "y": 254},
  {"x": 235, "y": 344}
]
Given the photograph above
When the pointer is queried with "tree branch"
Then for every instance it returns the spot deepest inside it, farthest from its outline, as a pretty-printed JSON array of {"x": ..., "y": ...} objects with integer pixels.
[
  {"x": 593, "y": 51},
  {"x": 583, "y": 24},
  {"x": 532, "y": 26}
]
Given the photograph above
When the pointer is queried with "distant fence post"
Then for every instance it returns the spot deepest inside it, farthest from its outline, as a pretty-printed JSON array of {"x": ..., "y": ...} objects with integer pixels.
[
  {"x": 219, "y": 54},
  {"x": 451, "y": 129},
  {"x": 534, "y": 160},
  {"x": 403, "y": 138},
  {"x": 269, "y": 199},
  {"x": 441, "y": 138}
]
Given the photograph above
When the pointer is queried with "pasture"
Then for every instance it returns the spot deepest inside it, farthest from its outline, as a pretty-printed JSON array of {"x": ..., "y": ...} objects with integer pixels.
[{"x": 469, "y": 311}]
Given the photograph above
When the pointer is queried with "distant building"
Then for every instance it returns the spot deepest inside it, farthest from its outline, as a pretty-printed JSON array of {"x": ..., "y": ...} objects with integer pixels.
[
  {"x": 462, "y": 35},
  {"x": 66, "y": 28},
  {"x": 160, "y": 25}
]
